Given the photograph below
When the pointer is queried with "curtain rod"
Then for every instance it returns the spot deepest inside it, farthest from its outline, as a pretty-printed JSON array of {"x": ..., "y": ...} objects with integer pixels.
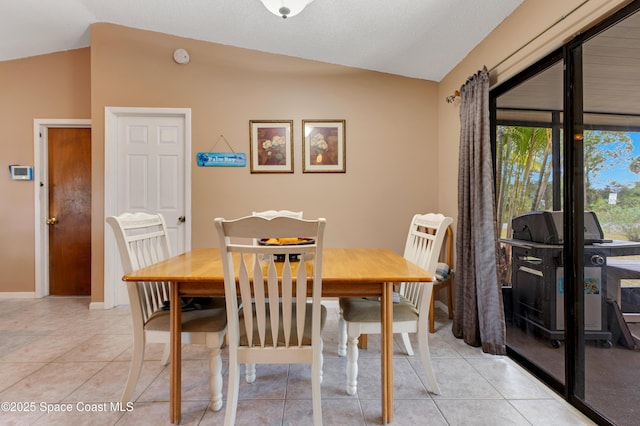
[
  {"x": 452, "y": 98},
  {"x": 556, "y": 22}
]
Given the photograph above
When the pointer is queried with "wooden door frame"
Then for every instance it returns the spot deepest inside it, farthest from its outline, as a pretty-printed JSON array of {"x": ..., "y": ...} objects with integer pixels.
[
  {"x": 41, "y": 128},
  {"x": 112, "y": 114}
]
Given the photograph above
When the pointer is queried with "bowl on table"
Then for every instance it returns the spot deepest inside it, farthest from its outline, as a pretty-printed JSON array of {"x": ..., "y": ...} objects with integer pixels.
[{"x": 285, "y": 242}]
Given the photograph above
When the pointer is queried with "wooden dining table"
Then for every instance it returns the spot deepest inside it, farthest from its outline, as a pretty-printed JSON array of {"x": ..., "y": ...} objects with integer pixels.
[{"x": 346, "y": 272}]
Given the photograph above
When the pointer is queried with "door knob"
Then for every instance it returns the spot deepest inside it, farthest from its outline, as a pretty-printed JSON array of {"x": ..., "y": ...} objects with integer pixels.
[
  {"x": 52, "y": 221},
  {"x": 182, "y": 219}
]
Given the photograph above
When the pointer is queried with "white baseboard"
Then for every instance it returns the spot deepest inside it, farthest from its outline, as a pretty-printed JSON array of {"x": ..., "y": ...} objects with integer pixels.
[
  {"x": 100, "y": 305},
  {"x": 96, "y": 305},
  {"x": 441, "y": 305},
  {"x": 17, "y": 295},
  {"x": 32, "y": 295}
]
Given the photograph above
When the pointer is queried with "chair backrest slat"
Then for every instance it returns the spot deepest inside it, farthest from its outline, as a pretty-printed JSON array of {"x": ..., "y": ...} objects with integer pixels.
[
  {"x": 247, "y": 297},
  {"x": 301, "y": 281},
  {"x": 274, "y": 298}
]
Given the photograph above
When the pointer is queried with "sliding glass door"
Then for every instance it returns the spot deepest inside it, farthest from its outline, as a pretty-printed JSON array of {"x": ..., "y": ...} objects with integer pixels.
[
  {"x": 610, "y": 115},
  {"x": 567, "y": 150},
  {"x": 529, "y": 147}
]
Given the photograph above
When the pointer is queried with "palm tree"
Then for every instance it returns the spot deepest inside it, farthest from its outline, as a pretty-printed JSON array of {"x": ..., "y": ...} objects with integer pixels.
[{"x": 523, "y": 154}]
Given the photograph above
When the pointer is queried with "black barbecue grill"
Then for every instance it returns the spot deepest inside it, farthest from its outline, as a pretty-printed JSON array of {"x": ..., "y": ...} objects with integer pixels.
[
  {"x": 546, "y": 227},
  {"x": 538, "y": 274}
]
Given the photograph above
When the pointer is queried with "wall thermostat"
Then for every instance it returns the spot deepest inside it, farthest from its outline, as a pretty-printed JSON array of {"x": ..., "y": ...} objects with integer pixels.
[{"x": 21, "y": 172}]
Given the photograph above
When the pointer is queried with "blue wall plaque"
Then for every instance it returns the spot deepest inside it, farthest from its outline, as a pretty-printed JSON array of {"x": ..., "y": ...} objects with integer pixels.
[{"x": 222, "y": 159}]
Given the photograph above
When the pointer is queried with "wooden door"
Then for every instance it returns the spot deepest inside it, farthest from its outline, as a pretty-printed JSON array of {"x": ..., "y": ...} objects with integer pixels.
[{"x": 69, "y": 164}]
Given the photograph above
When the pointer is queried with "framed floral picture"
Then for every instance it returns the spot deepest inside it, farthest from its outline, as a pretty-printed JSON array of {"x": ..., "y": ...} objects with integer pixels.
[
  {"x": 323, "y": 146},
  {"x": 271, "y": 148}
]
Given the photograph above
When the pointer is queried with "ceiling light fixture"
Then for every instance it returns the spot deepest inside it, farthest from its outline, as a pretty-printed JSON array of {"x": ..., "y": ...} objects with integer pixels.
[{"x": 285, "y": 8}]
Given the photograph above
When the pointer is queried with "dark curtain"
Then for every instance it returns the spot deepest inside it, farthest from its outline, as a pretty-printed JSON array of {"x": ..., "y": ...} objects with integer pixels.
[{"x": 478, "y": 315}]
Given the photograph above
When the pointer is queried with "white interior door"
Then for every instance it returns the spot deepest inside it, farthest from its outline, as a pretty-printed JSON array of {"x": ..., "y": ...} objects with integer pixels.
[
  {"x": 151, "y": 170},
  {"x": 151, "y": 151}
]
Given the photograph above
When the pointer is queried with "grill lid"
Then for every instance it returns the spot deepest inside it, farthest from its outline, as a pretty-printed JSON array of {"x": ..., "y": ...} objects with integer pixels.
[{"x": 546, "y": 227}]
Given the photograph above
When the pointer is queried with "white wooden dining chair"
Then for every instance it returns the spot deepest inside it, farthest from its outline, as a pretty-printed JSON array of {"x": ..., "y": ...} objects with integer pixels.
[
  {"x": 410, "y": 315},
  {"x": 142, "y": 241},
  {"x": 271, "y": 327}
]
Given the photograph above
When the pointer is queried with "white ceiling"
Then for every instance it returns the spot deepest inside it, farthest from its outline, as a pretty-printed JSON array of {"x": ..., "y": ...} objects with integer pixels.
[{"x": 422, "y": 39}]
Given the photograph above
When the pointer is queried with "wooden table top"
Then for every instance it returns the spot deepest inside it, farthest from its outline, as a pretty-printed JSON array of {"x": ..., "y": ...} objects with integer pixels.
[{"x": 340, "y": 265}]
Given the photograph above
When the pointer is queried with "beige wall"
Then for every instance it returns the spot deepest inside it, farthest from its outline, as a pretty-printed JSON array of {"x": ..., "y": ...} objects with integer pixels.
[
  {"x": 390, "y": 136},
  {"x": 402, "y": 137},
  {"x": 391, "y": 133},
  {"x": 49, "y": 86}
]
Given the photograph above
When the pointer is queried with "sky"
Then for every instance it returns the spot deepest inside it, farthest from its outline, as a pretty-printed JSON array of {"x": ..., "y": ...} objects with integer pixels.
[{"x": 618, "y": 173}]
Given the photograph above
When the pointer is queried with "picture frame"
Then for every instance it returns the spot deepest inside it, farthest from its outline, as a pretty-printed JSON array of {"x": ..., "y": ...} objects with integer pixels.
[
  {"x": 324, "y": 146},
  {"x": 271, "y": 146}
]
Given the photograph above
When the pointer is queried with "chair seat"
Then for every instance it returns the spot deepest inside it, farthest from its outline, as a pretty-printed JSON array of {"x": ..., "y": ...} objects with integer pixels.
[
  {"x": 306, "y": 338},
  {"x": 202, "y": 320},
  {"x": 197, "y": 303},
  {"x": 357, "y": 309}
]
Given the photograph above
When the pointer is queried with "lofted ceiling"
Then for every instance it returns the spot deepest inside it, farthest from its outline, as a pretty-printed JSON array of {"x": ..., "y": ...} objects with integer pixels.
[{"x": 422, "y": 39}]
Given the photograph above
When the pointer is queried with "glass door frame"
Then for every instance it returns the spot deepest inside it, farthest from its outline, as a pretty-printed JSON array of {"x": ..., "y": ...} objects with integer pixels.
[
  {"x": 539, "y": 67},
  {"x": 573, "y": 389}
]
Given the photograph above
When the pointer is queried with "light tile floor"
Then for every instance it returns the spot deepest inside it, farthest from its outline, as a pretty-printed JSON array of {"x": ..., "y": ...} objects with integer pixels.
[{"x": 61, "y": 363}]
